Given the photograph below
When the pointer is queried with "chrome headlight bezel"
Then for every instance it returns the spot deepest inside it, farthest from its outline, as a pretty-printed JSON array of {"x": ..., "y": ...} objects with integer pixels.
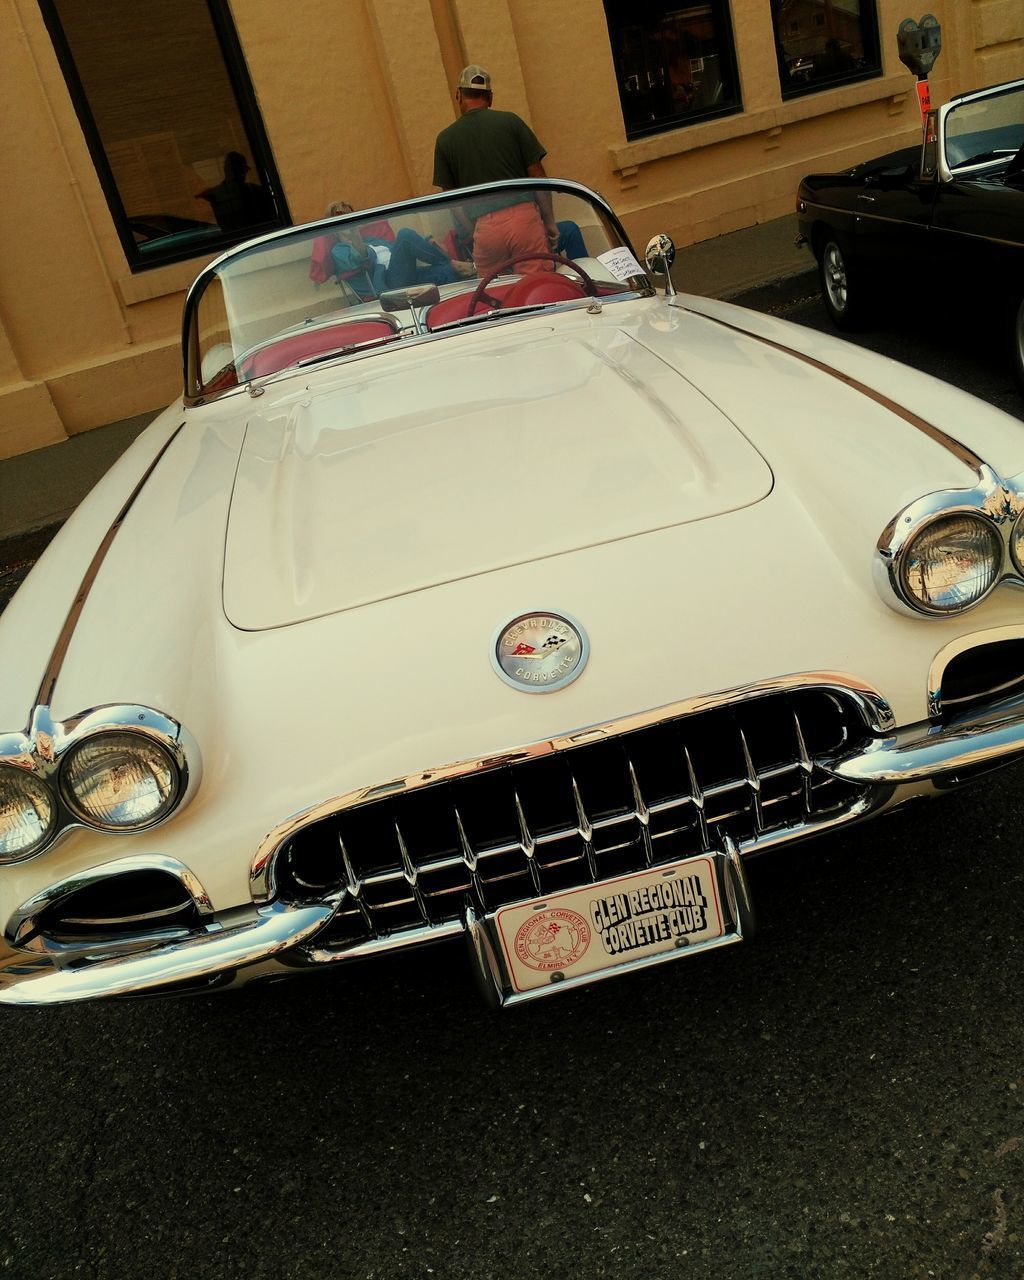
[
  {"x": 47, "y": 746},
  {"x": 992, "y": 562},
  {"x": 122, "y": 744},
  {"x": 18, "y": 777},
  {"x": 998, "y": 507},
  {"x": 1016, "y": 541}
]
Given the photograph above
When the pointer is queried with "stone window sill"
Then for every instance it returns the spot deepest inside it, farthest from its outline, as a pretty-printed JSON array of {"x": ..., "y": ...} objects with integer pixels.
[{"x": 628, "y": 156}]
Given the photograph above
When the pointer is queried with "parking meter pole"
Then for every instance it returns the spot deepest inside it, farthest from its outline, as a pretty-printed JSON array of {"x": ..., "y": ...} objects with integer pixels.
[{"x": 924, "y": 97}]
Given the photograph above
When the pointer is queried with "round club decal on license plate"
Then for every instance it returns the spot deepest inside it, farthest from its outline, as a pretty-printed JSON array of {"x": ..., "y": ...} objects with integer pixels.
[
  {"x": 552, "y": 940},
  {"x": 539, "y": 652}
]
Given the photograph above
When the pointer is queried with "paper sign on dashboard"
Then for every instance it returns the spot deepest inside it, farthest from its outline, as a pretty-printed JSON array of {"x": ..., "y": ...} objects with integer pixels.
[{"x": 621, "y": 263}]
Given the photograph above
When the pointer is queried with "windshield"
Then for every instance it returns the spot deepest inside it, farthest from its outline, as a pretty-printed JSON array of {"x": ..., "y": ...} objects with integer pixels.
[
  {"x": 986, "y": 130},
  {"x": 424, "y": 267}
]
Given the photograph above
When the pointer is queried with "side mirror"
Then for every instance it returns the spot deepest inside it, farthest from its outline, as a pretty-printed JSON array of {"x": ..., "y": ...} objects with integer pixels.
[
  {"x": 660, "y": 254},
  {"x": 890, "y": 179}
]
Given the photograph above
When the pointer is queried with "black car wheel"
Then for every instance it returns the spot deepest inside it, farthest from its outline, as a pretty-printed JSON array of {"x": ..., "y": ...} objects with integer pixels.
[{"x": 842, "y": 285}]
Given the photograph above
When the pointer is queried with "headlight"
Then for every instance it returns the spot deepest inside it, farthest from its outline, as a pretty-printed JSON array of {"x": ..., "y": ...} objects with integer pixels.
[
  {"x": 120, "y": 781},
  {"x": 951, "y": 563},
  {"x": 27, "y": 813},
  {"x": 1017, "y": 544}
]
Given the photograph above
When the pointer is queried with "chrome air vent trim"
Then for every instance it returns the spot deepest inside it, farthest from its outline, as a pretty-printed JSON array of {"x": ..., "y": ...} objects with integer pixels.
[{"x": 26, "y": 930}]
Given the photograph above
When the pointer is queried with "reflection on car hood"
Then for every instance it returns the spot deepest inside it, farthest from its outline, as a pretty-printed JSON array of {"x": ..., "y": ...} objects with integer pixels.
[{"x": 468, "y": 457}]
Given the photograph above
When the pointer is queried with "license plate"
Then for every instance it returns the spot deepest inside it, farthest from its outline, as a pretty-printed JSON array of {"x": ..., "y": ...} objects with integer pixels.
[{"x": 632, "y": 921}]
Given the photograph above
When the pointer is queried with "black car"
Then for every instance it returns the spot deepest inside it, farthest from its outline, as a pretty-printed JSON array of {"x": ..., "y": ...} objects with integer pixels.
[
  {"x": 944, "y": 217},
  {"x": 163, "y": 230}
]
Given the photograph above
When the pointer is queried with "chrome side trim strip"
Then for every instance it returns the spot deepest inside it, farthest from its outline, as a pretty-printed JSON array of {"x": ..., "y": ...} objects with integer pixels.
[
  {"x": 876, "y": 712},
  {"x": 860, "y": 214},
  {"x": 923, "y": 228},
  {"x": 28, "y": 980},
  {"x": 44, "y": 697},
  {"x": 948, "y": 442}
]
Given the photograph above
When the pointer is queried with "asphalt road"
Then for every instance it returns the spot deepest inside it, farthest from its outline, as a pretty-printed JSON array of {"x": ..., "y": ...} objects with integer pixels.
[{"x": 842, "y": 1096}]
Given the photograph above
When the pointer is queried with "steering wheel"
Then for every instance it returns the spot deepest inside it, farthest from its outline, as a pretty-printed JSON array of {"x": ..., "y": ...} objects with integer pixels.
[{"x": 480, "y": 294}]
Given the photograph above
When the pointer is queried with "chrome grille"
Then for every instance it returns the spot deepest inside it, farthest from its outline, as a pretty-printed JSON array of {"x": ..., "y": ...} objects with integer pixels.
[{"x": 560, "y": 820}]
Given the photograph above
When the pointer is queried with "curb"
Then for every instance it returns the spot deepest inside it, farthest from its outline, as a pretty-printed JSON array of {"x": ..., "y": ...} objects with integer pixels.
[
  {"x": 777, "y": 293},
  {"x": 18, "y": 553}
]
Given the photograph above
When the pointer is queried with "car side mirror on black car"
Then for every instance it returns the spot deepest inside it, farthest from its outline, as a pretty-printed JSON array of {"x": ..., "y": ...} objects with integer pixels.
[{"x": 889, "y": 179}]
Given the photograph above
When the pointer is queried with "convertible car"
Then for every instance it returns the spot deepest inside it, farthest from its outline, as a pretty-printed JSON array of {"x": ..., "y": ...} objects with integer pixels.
[
  {"x": 943, "y": 218},
  {"x": 524, "y": 608}
]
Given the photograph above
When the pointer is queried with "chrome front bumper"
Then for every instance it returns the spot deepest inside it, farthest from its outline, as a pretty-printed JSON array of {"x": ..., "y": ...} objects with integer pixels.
[
  {"x": 280, "y": 938},
  {"x": 38, "y": 977}
]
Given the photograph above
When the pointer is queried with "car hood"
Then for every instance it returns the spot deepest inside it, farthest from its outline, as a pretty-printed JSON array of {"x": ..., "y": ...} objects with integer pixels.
[{"x": 467, "y": 456}]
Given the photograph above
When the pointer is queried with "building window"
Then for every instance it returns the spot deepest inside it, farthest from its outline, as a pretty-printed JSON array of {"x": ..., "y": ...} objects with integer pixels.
[
  {"x": 822, "y": 43},
  {"x": 164, "y": 98},
  {"x": 674, "y": 61}
]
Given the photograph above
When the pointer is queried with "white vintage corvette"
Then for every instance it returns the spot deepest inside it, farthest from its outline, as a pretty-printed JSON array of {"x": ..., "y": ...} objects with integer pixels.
[{"x": 524, "y": 607}]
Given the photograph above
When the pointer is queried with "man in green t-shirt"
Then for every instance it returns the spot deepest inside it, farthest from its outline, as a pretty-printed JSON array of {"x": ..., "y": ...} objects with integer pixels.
[{"x": 485, "y": 145}]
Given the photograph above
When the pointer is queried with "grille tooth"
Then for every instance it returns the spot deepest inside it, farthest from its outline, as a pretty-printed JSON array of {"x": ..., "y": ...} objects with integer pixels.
[
  {"x": 354, "y": 886},
  {"x": 353, "y": 883},
  {"x": 528, "y": 846},
  {"x": 697, "y": 796},
  {"x": 754, "y": 783},
  {"x": 806, "y": 765},
  {"x": 468, "y": 856},
  {"x": 411, "y": 875},
  {"x": 584, "y": 829},
  {"x": 469, "y": 859},
  {"x": 526, "y": 829},
  {"x": 642, "y": 813}
]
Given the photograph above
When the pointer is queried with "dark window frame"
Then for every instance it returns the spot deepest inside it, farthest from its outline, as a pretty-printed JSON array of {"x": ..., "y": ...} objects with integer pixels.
[
  {"x": 252, "y": 122},
  {"x": 722, "y": 13},
  {"x": 872, "y": 51}
]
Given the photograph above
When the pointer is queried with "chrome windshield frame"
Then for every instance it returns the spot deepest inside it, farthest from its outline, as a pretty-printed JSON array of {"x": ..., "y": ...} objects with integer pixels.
[{"x": 194, "y": 394}]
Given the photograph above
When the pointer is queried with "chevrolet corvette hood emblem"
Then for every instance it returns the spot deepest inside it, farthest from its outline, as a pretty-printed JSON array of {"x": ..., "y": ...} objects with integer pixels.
[{"x": 539, "y": 652}]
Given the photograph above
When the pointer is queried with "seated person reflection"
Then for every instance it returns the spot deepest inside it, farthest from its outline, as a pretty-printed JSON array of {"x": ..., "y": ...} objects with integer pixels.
[
  {"x": 238, "y": 204},
  {"x": 370, "y": 262}
]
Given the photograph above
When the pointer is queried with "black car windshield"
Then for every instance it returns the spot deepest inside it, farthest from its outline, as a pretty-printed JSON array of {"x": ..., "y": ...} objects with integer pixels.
[
  {"x": 364, "y": 279},
  {"x": 985, "y": 129}
]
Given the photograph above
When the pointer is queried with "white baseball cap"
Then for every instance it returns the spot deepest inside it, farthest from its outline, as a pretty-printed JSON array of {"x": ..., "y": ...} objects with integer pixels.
[{"x": 474, "y": 77}]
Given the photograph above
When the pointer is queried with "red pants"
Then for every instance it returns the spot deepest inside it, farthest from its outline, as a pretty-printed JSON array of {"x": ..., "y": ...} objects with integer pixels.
[{"x": 507, "y": 233}]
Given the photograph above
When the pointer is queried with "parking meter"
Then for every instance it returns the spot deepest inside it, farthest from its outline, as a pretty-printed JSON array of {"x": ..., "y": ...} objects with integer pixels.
[{"x": 919, "y": 44}]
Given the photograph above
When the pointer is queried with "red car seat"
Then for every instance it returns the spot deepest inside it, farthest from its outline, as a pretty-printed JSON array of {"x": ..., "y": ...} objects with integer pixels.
[
  {"x": 300, "y": 346},
  {"x": 543, "y": 286},
  {"x": 457, "y": 308}
]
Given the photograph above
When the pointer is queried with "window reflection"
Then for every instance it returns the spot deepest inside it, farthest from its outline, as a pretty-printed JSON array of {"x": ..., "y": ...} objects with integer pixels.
[
  {"x": 171, "y": 124},
  {"x": 675, "y": 63},
  {"x": 822, "y": 43}
]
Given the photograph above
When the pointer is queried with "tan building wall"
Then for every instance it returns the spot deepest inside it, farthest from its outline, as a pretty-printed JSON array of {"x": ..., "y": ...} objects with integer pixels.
[{"x": 352, "y": 94}]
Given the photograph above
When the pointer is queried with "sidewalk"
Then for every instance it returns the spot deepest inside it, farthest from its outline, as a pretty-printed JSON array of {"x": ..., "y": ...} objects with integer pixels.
[{"x": 39, "y": 490}]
